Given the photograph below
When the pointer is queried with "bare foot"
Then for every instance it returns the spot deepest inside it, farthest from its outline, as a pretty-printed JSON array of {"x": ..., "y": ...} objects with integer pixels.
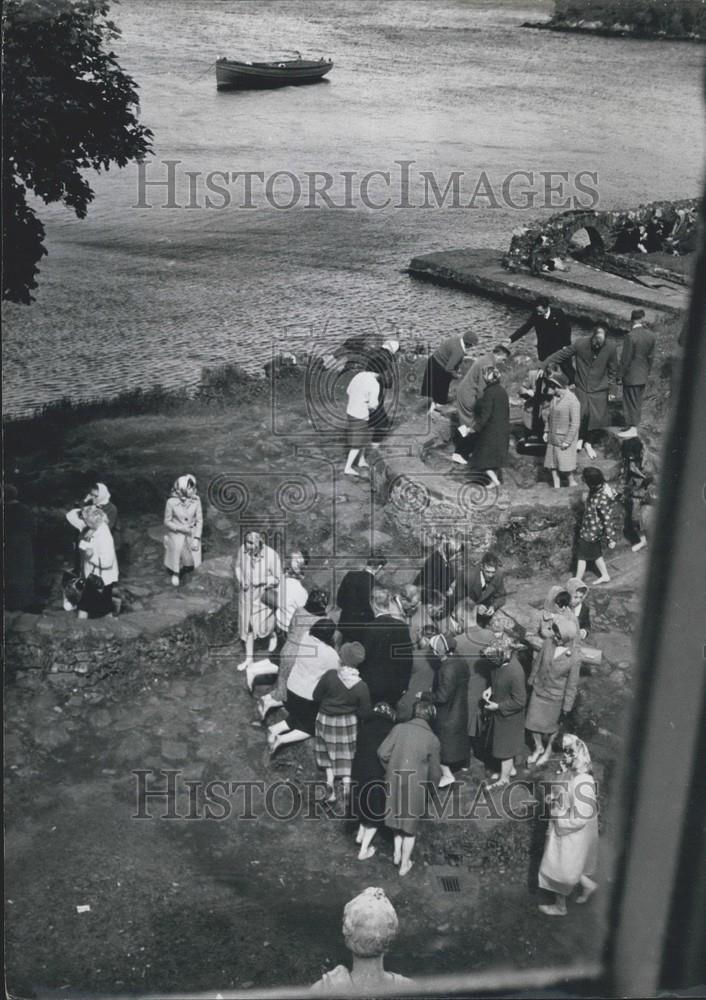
[
  {"x": 351, "y": 472},
  {"x": 448, "y": 780},
  {"x": 367, "y": 854},
  {"x": 586, "y": 894},
  {"x": 405, "y": 869},
  {"x": 552, "y": 910},
  {"x": 244, "y": 665},
  {"x": 638, "y": 546},
  {"x": 601, "y": 579}
]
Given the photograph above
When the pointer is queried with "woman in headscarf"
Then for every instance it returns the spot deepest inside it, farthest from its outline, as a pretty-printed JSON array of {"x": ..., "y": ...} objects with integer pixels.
[
  {"x": 562, "y": 419},
  {"x": 492, "y": 428},
  {"x": 505, "y": 698},
  {"x": 99, "y": 496},
  {"x": 183, "y": 519},
  {"x": 368, "y": 777},
  {"x": 301, "y": 621},
  {"x": 450, "y": 696},
  {"x": 596, "y": 526},
  {"x": 100, "y": 565},
  {"x": 370, "y": 926},
  {"x": 557, "y": 602},
  {"x": 571, "y": 848},
  {"x": 257, "y": 567},
  {"x": 384, "y": 363},
  {"x": 578, "y": 591},
  {"x": 316, "y": 653},
  {"x": 422, "y": 677},
  {"x": 343, "y": 698},
  {"x": 554, "y": 680},
  {"x": 410, "y": 754}
]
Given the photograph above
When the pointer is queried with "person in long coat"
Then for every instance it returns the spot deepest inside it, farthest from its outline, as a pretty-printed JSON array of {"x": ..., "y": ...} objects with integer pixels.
[
  {"x": 368, "y": 799},
  {"x": 506, "y": 699},
  {"x": 442, "y": 368},
  {"x": 19, "y": 552},
  {"x": 493, "y": 428},
  {"x": 183, "y": 520},
  {"x": 388, "y": 652},
  {"x": 411, "y": 755},
  {"x": 355, "y": 599},
  {"x": 438, "y": 574},
  {"x": 470, "y": 646},
  {"x": 571, "y": 849},
  {"x": 422, "y": 677},
  {"x": 562, "y": 420},
  {"x": 469, "y": 392},
  {"x": 450, "y": 696},
  {"x": 554, "y": 681},
  {"x": 596, "y": 360},
  {"x": 257, "y": 566}
]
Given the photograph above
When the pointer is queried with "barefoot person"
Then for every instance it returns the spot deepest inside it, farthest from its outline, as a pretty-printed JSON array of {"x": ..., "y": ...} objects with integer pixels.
[
  {"x": 369, "y": 927},
  {"x": 505, "y": 699},
  {"x": 442, "y": 368},
  {"x": 183, "y": 520},
  {"x": 368, "y": 777},
  {"x": 363, "y": 399},
  {"x": 597, "y": 526},
  {"x": 257, "y": 566},
  {"x": 571, "y": 849},
  {"x": 450, "y": 696},
  {"x": 411, "y": 758},
  {"x": 554, "y": 681},
  {"x": 562, "y": 419},
  {"x": 492, "y": 428}
]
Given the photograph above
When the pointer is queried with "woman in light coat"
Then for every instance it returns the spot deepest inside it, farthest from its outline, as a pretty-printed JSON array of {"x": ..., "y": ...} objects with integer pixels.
[
  {"x": 100, "y": 565},
  {"x": 571, "y": 848},
  {"x": 554, "y": 681},
  {"x": 257, "y": 567},
  {"x": 562, "y": 419},
  {"x": 183, "y": 519}
]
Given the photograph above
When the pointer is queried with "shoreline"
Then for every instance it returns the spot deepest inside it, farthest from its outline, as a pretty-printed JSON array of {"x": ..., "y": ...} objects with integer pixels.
[{"x": 604, "y": 32}]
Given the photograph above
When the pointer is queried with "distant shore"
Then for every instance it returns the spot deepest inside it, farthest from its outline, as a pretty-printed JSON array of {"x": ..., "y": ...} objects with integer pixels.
[{"x": 609, "y": 31}]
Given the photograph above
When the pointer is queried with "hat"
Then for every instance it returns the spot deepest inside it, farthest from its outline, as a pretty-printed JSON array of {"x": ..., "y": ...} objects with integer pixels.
[
  {"x": 351, "y": 654},
  {"x": 559, "y": 379}
]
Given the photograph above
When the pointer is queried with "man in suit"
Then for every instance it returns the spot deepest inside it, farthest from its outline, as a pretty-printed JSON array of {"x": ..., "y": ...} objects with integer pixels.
[
  {"x": 354, "y": 598},
  {"x": 635, "y": 365},
  {"x": 484, "y": 585},
  {"x": 596, "y": 360},
  {"x": 553, "y": 331},
  {"x": 388, "y": 651}
]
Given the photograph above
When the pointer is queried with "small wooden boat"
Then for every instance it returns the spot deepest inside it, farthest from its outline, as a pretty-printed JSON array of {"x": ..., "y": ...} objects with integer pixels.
[{"x": 231, "y": 74}]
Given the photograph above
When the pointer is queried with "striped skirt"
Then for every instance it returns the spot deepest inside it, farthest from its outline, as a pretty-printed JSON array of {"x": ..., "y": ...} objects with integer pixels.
[{"x": 335, "y": 740}]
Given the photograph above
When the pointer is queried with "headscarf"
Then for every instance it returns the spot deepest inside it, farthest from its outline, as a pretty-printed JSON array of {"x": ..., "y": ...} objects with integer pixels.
[
  {"x": 580, "y": 759},
  {"x": 181, "y": 485},
  {"x": 491, "y": 375},
  {"x": 392, "y": 346},
  {"x": 558, "y": 379},
  {"x": 574, "y": 585},
  {"x": 442, "y": 645},
  {"x": 351, "y": 654},
  {"x": 551, "y": 597},
  {"x": 567, "y": 628},
  {"x": 103, "y": 495},
  {"x": 498, "y": 652}
]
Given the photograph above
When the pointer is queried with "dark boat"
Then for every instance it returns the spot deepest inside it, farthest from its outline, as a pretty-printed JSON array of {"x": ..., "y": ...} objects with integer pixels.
[{"x": 231, "y": 74}]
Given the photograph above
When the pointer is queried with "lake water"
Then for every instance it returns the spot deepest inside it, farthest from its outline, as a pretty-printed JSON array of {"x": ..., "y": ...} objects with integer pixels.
[{"x": 133, "y": 295}]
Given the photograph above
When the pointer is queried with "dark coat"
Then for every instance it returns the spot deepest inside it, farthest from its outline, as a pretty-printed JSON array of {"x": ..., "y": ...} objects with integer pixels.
[
  {"x": 368, "y": 798},
  {"x": 354, "y": 598},
  {"x": 594, "y": 374},
  {"x": 493, "y": 428},
  {"x": 553, "y": 333},
  {"x": 491, "y": 595},
  {"x": 510, "y": 692},
  {"x": 437, "y": 574},
  {"x": 411, "y": 755},
  {"x": 638, "y": 355},
  {"x": 387, "y": 667},
  {"x": 19, "y": 556},
  {"x": 421, "y": 679},
  {"x": 451, "y": 700},
  {"x": 469, "y": 647}
]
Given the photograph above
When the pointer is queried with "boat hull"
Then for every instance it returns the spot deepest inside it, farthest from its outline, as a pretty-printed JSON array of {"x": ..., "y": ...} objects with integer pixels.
[{"x": 243, "y": 76}]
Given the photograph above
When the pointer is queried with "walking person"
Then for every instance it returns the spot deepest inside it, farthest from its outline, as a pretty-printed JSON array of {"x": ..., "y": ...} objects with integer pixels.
[
  {"x": 469, "y": 392},
  {"x": 368, "y": 798},
  {"x": 450, "y": 696},
  {"x": 596, "y": 361},
  {"x": 563, "y": 418},
  {"x": 470, "y": 645},
  {"x": 492, "y": 427},
  {"x": 570, "y": 854},
  {"x": 183, "y": 520},
  {"x": 597, "y": 526},
  {"x": 343, "y": 699},
  {"x": 505, "y": 699},
  {"x": 554, "y": 681},
  {"x": 257, "y": 567},
  {"x": 635, "y": 367},
  {"x": 383, "y": 362},
  {"x": 363, "y": 399},
  {"x": 442, "y": 368},
  {"x": 410, "y": 754}
]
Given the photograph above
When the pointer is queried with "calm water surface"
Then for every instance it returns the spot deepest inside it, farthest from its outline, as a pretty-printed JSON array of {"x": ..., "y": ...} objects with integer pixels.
[{"x": 134, "y": 296}]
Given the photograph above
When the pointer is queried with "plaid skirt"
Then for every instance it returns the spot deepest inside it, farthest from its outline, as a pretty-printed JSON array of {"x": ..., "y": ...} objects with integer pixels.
[{"x": 335, "y": 740}]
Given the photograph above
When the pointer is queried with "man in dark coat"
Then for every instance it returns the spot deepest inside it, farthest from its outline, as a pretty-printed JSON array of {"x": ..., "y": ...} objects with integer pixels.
[
  {"x": 552, "y": 327},
  {"x": 484, "y": 585},
  {"x": 354, "y": 598},
  {"x": 596, "y": 360},
  {"x": 388, "y": 652},
  {"x": 636, "y": 365}
]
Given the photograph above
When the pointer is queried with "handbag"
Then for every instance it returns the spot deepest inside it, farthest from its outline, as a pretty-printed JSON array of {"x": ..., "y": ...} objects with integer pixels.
[
  {"x": 96, "y": 580},
  {"x": 270, "y": 597}
]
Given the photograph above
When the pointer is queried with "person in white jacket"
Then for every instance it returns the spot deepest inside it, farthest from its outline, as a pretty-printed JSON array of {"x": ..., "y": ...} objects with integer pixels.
[
  {"x": 183, "y": 519},
  {"x": 99, "y": 563},
  {"x": 363, "y": 399}
]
